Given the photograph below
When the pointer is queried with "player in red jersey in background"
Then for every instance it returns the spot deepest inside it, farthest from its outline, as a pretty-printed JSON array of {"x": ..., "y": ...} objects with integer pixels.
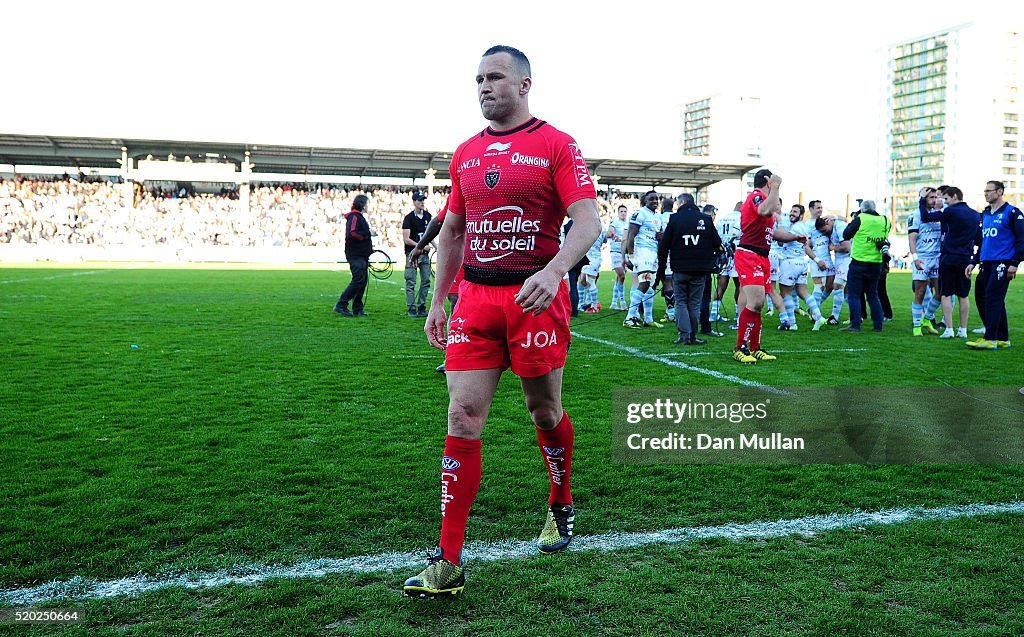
[
  {"x": 512, "y": 185},
  {"x": 757, "y": 231}
]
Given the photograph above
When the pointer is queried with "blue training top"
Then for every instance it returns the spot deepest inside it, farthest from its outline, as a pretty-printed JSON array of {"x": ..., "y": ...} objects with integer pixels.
[{"x": 1002, "y": 234}]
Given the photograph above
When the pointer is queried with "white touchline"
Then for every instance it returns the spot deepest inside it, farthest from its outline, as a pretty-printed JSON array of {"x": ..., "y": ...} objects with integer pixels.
[
  {"x": 671, "y": 363},
  {"x": 774, "y": 351},
  {"x": 79, "y": 588},
  {"x": 70, "y": 274}
]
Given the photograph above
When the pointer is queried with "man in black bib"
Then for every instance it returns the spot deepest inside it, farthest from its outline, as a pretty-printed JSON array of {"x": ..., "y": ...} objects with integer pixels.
[{"x": 413, "y": 227}]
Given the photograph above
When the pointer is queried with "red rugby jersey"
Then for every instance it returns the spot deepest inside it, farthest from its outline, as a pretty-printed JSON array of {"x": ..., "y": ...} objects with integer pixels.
[
  {"x": 756, "y": 231},
  {"x": 514, "y": 188}
]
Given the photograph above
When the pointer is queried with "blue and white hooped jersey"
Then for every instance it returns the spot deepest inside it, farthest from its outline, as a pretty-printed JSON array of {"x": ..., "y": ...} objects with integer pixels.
[
  {"x": 929, "y": 235},
  {"x": 792, "y": 249},
  {"x": 729, "y": 227},
  {"x": 649, "y": 225},
  {"x": 594, "y": 253},
  {"x": 837, "y": 238},
  {"x": 619, "y": 227},
  {"x": 820, "y": 244}
]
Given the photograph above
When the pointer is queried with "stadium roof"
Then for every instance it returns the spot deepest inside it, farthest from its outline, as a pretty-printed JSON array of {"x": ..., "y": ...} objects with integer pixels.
[{"x": 102, "y": 152}]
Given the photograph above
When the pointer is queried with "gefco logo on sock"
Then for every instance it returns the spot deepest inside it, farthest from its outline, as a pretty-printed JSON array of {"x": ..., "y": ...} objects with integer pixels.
[
  {"x": 448, "y": 465},
  {"x": 540, "y": 339}
]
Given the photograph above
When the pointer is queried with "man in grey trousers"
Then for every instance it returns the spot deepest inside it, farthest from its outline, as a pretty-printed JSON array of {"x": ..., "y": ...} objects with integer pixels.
[
  {"x": 689, "y": 244},
  {"x": 413, "y": 227}
]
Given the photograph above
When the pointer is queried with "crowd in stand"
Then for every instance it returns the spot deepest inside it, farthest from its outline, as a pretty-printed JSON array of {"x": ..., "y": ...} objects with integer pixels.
[{"x": 69, "y": 211}]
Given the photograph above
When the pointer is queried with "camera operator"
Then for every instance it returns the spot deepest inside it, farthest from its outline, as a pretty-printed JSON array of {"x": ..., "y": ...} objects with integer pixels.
[
  {"x": 868, "y": 235},
  {"x": 689, "y": 244}
]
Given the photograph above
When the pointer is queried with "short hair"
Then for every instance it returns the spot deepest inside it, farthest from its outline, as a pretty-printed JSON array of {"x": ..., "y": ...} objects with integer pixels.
[
  {"x": 798, "y": 207},
  {"x": 953, "y": 191},
  {"x": 521, "y": 61},
  {"x": 761, "y": 178},
  {"x": 812, "y": 202},
  {"x": 359, "y": 203},
  {"x": 820, "y": 223},
  {"x": 942, "y": 189},
  {"x": 998, "y": 185},
  {"x": 621, "y": 206},
  {"x": 666, "y": 203},
  {"x": 648, "y": 194},
  {"x": 687, "y": 198},
  {"x": 867, "y": 205}
]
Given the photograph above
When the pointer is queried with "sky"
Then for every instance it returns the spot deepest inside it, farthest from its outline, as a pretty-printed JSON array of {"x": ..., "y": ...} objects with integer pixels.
[{"x": 400, "y": 75}]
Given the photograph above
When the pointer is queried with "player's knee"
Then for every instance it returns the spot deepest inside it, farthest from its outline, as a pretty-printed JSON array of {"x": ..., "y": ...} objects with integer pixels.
[
  {"x": 465, "y": 421},
  {"x": 755, "y": 305},
  {"x": 546, "y": 416}
]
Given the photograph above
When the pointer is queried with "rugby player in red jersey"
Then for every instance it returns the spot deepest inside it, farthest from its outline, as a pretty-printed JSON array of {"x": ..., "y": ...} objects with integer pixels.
[
  {"x": 512, "y": 185},
  {"x": 757, "y": 231}
]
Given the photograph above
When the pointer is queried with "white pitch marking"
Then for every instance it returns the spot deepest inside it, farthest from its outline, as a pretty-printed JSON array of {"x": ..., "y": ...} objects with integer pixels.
[
  {"x": 79, "y": 588},
  {"x": 671, "y": 363},
  {"x": 71, "y": 274},
  {"x": 774, "y": 351}
]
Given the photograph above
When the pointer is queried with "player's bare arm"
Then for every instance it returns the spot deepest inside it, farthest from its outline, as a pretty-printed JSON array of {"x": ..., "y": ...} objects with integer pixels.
[
  {"x": 433, "y": 228},
  {"x": 540, "y": 289},
  {"x": 627, "y": 245},
  {"x": 785, "y": 236},
  {"x": 771, "y": 204},
  {"x": 451, "y": 248}
]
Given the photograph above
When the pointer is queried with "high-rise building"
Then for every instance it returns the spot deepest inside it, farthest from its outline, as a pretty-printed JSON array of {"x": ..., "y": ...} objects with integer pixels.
[
  {"x": 954, "y": 113},
  {"x": 725, "y": 126}
]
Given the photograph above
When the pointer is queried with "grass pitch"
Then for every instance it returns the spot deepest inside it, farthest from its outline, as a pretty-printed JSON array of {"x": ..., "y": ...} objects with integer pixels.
[{"x": 252, "y": 425}]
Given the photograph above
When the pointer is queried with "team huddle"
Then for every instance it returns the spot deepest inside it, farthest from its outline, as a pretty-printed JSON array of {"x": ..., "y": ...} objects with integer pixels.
[
  {"x": 806, "y": 245},
  {"x": 825, "y": 257}
]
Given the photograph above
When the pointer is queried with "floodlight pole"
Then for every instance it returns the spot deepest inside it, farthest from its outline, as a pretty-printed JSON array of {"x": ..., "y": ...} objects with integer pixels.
[
  {"x": 892, "y": 188},
  {"x": 243, "y": 186},
  {"x": 431, "y": 174}
]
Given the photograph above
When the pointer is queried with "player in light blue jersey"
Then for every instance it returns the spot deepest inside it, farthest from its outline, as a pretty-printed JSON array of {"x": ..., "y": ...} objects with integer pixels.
[
  {"x": 640, "y": 256},
  {"x": 823, "y": 271},
  {"x": 615, "y": 234},
  {"x": 793, "y": 271},
  {"x": 925, "y": 239},
  {"x": 841, "y": 250},
  {"x": 588, "y": 302},
  {"x": 666, "y": 290},
  {"x": 728, "y": 225}
]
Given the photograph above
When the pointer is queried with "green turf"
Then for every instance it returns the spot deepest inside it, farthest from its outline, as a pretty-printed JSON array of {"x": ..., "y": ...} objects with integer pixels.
[{"x": 254, "y": 425}]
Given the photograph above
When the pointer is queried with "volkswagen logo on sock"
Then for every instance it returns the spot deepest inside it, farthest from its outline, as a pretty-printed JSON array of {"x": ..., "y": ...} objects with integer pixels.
[{"x": 449, "y": 464}]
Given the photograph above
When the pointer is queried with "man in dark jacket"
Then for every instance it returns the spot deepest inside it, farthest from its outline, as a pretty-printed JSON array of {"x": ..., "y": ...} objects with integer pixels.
[
  {"x": 358, "y": 247},
  {"x": 961, "y": 233},
  {"x": 689, "y": 243}
]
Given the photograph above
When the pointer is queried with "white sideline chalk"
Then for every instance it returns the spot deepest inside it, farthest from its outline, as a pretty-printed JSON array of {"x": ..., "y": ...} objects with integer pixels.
[{"x": 79, "y": 588}]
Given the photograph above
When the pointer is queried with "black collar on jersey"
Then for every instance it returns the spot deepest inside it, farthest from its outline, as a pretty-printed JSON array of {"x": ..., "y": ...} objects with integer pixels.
[{"x": 533, "y": 122}]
